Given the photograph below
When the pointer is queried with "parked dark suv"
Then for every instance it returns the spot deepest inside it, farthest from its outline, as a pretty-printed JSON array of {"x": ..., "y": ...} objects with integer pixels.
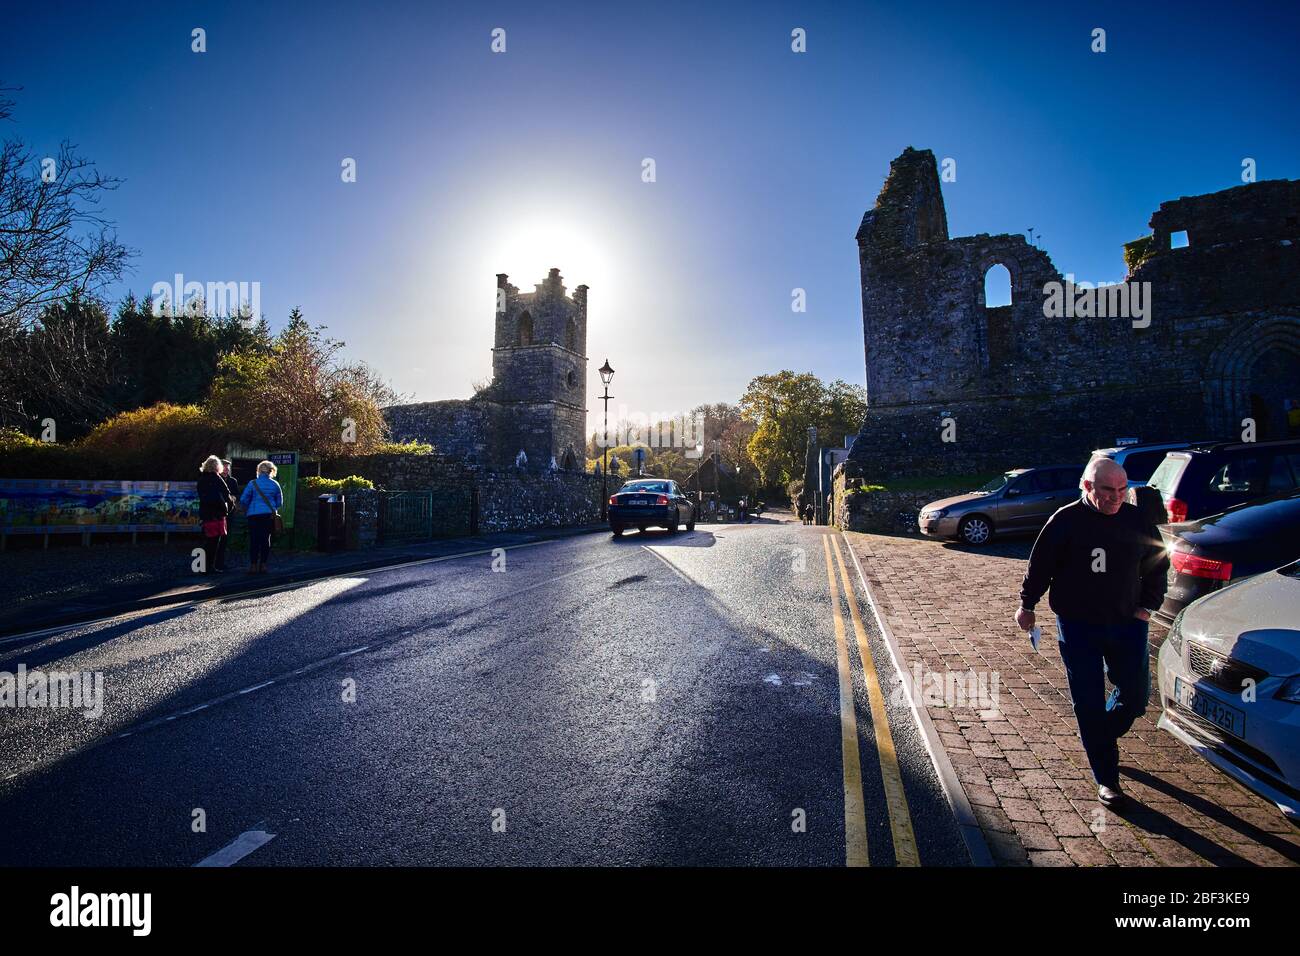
[
  {"x": 1207, "y": 554},
  {"x": 1206, "y": 479}
]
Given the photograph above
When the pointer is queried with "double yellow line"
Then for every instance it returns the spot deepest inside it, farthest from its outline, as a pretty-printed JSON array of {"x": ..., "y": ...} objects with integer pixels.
[{"x": 855, "y": 816}]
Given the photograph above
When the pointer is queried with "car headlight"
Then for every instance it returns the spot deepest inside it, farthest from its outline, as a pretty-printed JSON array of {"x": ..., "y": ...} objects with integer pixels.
[
  {"x": 1290, "y": 690},
  {"x": 932, "y": 515},
  {"x": 1176, "y": 635}
]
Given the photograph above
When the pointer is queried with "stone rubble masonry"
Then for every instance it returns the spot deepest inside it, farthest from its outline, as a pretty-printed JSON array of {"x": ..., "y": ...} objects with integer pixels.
[
  {"x": 510, "y": 500},
  {"x": 537, "y": 400},
  {"x": 1024, "y": 389},
  {"x": 885, "y": 512}
]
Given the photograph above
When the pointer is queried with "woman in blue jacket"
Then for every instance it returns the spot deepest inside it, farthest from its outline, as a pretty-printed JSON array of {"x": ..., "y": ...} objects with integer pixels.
[{"x": 262, "y": 500}]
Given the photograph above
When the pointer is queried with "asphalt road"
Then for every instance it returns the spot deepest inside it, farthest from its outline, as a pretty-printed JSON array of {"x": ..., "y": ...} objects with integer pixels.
[{"x": 652, "y": 700}]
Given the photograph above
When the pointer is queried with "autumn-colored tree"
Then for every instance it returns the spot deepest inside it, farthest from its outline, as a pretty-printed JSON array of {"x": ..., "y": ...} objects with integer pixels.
[
  {"x": 299, "y": 395},
  {"x": 782, "y": 407}
]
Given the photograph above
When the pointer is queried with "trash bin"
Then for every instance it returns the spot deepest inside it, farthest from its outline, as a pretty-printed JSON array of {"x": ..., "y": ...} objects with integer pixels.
[{"x": 331, "y": 526}]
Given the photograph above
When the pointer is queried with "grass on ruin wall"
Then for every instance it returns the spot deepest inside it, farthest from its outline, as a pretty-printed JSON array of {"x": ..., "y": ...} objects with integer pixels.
[{"x": 924, "y": 483}]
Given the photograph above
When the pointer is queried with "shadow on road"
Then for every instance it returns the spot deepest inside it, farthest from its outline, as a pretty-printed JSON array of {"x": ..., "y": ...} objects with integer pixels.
[
  {"x": 658, "y": 536},
  {"x": 1155, "y": 822}
]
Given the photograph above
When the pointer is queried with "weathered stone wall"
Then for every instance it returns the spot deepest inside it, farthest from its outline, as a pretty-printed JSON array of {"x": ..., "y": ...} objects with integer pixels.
[
  {"x": 1223, "y": 340},
  {"x": 522, "y": 502},
  {"x": 881, "y": 512},
  {"x": 462, "y": 428},
  {"x": 507, "y": 500},
  {"x": 400, "y": 472}
]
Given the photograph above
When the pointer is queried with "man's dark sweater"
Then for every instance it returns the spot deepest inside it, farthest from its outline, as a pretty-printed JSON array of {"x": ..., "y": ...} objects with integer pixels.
[{"x": 1073, "y": 547}]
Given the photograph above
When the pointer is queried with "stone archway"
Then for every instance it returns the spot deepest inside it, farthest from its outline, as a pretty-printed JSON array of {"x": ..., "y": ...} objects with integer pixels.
[{"x": 1251, "y": 375}]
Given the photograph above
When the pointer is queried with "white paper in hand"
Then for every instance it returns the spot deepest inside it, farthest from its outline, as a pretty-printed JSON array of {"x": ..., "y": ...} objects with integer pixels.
[{"x": 1035, "y": 634}]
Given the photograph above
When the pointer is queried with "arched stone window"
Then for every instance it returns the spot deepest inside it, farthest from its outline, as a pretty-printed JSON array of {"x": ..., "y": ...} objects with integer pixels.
[
  {"x": 569, "y": 461},
  {"x": 525, "y": 329},
  {"x": 572, "y": 339},
  {"x": 993, "y": 335},
  {"x": 997, "y": 286}
]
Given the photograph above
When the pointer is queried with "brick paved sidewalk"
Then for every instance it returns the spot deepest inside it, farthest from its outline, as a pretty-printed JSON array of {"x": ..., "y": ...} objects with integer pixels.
[{"x": 950, "y": 608}]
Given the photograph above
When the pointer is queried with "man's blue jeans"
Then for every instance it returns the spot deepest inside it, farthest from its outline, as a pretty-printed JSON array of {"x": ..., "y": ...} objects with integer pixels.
[{"x": 1123, "y": 648}]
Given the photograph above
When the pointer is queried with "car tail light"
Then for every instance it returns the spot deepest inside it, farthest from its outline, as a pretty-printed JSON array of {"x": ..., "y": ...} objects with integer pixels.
[
  {"x": 661, "y": 500},
  {"x": 1199, "y": 567},
  {"x": 1177, "y": 510},
  {"x": 613, "y": 499}
]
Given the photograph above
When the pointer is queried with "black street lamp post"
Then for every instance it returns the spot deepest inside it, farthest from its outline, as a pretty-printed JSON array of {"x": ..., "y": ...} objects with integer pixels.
[
  {"x": 717, "y": 477},
  {"x": 606, "y": 375}
]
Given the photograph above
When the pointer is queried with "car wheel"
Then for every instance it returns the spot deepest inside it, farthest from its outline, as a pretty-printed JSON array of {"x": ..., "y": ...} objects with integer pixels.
[
  {"x": 975, "y": 530},
  {"x": 673, "y": 524},
  {"x": 617, "y": 529},
  {"x": 690, "y": 525}
]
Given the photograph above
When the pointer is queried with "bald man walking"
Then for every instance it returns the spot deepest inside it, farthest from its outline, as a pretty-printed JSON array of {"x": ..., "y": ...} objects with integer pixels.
[{"x": 1105, "y": 566}]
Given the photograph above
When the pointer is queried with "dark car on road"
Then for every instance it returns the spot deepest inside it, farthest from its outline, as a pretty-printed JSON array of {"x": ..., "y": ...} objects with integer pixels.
[
  {"x": 1017, "y": 501},
  {"x": 650, "y": 503},
  {"x": 1209, "y": 479},
  {"x": 1210, "y": 553}
]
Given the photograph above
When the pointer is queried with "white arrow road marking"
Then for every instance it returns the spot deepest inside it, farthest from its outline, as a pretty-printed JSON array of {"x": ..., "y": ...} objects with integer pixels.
[{"x": 243, "y": 845}]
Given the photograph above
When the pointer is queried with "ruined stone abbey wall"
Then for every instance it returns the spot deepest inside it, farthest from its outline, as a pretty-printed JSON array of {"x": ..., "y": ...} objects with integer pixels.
[{"x": 1220, "y": 340}]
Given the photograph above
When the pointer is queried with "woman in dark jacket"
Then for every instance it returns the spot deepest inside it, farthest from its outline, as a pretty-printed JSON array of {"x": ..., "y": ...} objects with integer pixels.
[{"x": 214, "y": 506}]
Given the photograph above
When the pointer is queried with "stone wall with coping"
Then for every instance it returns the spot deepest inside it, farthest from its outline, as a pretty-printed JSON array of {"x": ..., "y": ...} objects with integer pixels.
[
  {"x": 519, "y": 502},
  {"x": 880, "y": 512},
  {"x": 514, "y": 500}
]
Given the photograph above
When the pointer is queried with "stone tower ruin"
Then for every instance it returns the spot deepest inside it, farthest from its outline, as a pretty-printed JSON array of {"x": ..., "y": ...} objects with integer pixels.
[
  {"x": 539, "y": 370},
  {"x": 537, "y": 400}
]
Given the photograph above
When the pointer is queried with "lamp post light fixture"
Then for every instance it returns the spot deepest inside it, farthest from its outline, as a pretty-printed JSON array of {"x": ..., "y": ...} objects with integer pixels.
[{"x": 606, "y": 376}]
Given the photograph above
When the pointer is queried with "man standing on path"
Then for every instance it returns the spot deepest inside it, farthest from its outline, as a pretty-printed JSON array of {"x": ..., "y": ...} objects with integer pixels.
[{"x": 1105, "y": 566}]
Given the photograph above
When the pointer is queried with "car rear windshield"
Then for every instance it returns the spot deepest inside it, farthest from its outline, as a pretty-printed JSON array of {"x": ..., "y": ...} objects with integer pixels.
[
  {"x": 1165, "y": 478},
  {"x": 654, "y": 487},
  {"x": 1140, "y": 465}
]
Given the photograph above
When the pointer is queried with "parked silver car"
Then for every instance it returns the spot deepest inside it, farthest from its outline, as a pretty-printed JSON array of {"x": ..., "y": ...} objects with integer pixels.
[
  {"x": 1229, "y": 676},
  {"x": 1017, "y": 501}
]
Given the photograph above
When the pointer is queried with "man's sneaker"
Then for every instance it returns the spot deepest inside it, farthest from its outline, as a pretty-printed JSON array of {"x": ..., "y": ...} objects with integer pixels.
[{"x": 1109, "y": 795}]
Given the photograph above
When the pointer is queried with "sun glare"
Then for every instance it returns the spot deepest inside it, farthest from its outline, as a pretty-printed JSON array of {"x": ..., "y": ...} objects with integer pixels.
[{"x": 528, "y": 249}]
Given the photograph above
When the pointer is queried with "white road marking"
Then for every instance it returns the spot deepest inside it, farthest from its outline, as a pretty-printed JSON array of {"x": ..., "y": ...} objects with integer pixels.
[
  {"x": 773, "y": 679},
  {"x": 243, "y": 845}
]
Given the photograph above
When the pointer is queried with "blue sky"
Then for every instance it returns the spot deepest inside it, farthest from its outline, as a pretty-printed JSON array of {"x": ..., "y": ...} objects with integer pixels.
[{"x": 471, "y": 163}]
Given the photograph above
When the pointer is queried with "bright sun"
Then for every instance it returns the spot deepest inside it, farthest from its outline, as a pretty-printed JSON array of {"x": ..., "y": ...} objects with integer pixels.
[{"x": 530, "y": 247}]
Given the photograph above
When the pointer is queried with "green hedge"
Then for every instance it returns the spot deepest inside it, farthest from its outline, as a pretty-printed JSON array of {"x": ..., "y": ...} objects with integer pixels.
[{"x": 313, "y": 485}]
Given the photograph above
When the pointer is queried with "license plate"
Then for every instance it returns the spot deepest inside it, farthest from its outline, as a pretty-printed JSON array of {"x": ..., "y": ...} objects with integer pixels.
[
  {"x": 1231, "y": 719},
  {"x": 638, "y": 501}
]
